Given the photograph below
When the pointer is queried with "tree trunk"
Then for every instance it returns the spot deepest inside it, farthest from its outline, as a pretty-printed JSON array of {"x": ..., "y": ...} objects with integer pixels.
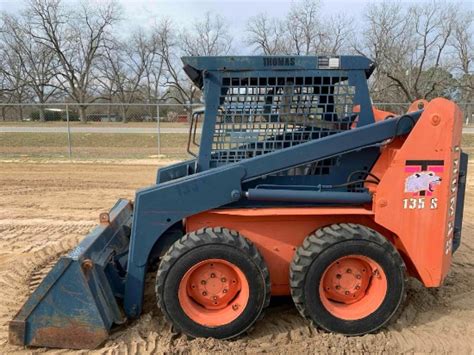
[
  {"x": 42, "y": 116},
  {"x": 124, "y": 116},
  {"x": 82, "y": 114},
  {"x": 21, "y": 112}
]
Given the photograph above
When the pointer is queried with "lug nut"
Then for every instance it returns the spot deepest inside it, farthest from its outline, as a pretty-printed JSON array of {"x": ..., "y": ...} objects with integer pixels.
[
  {"x": 193, "y": 286},
  {"x": 204, "y": 293},
  {"x": 223, "y": 279},
  {"x": 213, "y": 275},
  {"x": 224, "y": 290},
  {"x": 347, "y": 292},
  {"x": 338, "y": 287},
  {"x": 214, "y": 298},
  {"x": 203, "y": 282},
  {"x": 358, "y": 277},
  {"x": 338, "y": 276},
  {"x": 348, "y": 271},
  {"x": 357, "y": 287}
]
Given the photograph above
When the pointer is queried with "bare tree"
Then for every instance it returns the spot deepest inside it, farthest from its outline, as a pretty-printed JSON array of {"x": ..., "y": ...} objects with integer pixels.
[
  {"x": 337, "y": 35},
  {"x": 463, "y": 44},
  {"x": 77, "y": 39},
  {"x": 410, "y": 46},
  {"x": 178, "y": 88},
  {"x": 264, "y": 35},
  {"x": 303, "y": 27},
  {"x": 207, "y": 37},
  {"x": 128, "y": 68},
  {"x": 304, "y": 31},
  {"x": 12, "y": 74},
  {"x": 38, "y": 64}
]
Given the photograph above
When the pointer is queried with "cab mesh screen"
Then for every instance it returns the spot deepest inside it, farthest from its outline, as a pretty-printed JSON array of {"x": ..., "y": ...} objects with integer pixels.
[{"x": 260, "y": 115}]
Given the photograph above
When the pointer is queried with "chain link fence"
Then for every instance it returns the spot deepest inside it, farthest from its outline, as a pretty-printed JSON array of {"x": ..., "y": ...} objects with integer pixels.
[
  {"x": 110, "y": 130},
  {"x": 95, "y": 131}
]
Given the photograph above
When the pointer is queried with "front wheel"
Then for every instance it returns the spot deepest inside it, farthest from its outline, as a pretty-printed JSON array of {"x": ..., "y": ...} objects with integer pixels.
[
  {"x": 347, "y": 278},
  {"x": 213, "y": 283}
]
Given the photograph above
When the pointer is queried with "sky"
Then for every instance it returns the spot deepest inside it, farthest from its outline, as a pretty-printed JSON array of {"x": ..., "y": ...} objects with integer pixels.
[
  {"x": 145, "y": 13},
  {"x": 236, "y": 12},
  {"x": 186, "y": 10},
  {"x": 183, "y": 12}
]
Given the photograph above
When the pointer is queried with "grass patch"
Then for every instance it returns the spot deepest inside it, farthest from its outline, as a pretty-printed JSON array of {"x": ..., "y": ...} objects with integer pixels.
[
  {"x": 467, "y": 140},
  {"x": 93, "y": 145},
  {"x": 93, "y": 124}
]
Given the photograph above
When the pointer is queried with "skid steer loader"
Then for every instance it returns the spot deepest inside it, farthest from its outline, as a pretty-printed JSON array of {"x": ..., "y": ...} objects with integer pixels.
[{"x": 299, "y": 187}]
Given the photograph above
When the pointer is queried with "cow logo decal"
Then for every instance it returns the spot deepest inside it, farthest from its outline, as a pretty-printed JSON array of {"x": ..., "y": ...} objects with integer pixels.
[{"x": 422, "y": 181}]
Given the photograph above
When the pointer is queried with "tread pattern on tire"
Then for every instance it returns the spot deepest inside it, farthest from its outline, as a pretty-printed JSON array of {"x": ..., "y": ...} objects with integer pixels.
[
  {"x": 203, "y": 236},
  {"x": 323, "y": 238}
]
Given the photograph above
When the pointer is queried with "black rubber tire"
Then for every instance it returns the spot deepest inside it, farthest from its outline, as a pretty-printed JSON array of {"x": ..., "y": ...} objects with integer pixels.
[
  {"x": 321, "y": 249},
  {"x": 209, "y": 243}
]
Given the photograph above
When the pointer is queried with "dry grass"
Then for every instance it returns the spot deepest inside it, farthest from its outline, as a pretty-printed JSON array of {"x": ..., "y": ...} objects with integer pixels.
[
  {"x": 94, "y": 124},
  {"x": 467, "y": 144},
  {"x": 92, "y": 145}
]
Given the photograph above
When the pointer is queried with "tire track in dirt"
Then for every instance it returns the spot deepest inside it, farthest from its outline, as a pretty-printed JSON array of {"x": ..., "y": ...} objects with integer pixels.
[
  {"x": 15, "y": 280},
  {"x": 26, "y": 188},
  {"x": 16, "y": 238}
]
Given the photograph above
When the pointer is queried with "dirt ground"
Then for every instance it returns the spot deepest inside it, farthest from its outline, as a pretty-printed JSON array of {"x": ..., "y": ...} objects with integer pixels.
[{"x": 46, "y": 208}]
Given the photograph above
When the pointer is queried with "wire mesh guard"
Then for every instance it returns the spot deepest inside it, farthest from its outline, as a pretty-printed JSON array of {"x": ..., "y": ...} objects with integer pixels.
[{"x": 259, "y": 115}]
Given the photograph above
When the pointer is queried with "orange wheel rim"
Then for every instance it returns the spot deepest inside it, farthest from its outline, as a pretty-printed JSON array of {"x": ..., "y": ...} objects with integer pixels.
[
  {"x": 214, "y": 292},
  {"x": 353, "y": 287}
]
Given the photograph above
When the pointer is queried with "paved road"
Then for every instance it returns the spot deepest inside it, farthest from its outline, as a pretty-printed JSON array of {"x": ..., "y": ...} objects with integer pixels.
[{"x": 39, "y": 129}]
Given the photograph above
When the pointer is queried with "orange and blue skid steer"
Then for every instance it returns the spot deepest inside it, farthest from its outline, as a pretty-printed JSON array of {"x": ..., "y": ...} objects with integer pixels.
[{"x": 297, "y": 186}]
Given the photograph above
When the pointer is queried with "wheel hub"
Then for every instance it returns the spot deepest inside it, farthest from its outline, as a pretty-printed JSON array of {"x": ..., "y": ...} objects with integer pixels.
[
  {"x": 347, "y": 279},
  {"x": 352, "y": 287},
  {"x": 213, "y": 288},
  {"x": 213, "y": 285}
]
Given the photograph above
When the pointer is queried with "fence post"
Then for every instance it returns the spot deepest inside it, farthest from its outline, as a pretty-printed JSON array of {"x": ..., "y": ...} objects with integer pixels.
[
  {"x": 68, "y": 132},
  {"x": 158, "y": 127}
]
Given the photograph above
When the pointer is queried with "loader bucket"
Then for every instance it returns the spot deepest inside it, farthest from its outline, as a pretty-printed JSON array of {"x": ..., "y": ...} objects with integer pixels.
[{"x": 75, "y": 305}]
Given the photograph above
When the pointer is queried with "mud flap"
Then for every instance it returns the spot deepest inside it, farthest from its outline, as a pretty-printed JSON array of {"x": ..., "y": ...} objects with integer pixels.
[{"x": 76, "y": 304}]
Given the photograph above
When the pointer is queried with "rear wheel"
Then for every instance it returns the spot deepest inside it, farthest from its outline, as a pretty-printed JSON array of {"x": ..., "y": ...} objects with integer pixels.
[
  {"x": 213, "y": 283},
  {"x": 347, "y": 278}
]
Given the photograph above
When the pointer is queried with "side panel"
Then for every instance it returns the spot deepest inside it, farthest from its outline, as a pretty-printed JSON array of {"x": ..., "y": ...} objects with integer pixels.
[
  {"x": 416, "y": 197},
  {"x": 278, "y": 232},
  {"x": 175, "y": 171}
]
